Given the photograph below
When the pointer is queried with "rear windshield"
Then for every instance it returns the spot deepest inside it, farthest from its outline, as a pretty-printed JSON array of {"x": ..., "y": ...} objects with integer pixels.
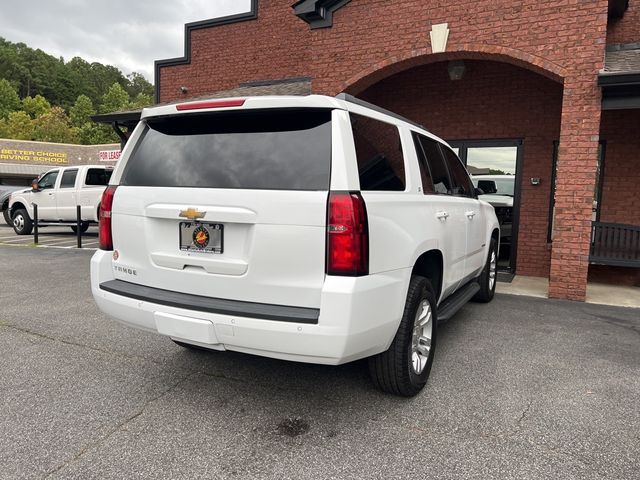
[{"x": 273, "y": 150}]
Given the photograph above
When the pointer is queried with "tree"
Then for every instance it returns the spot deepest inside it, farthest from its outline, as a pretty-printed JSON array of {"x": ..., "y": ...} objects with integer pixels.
[
  {"x": 92, "y": 133},
  {"x": 116, "y": 99},
  {"x": 141, "y": 100},
  {"x": 9, "y": 99},
  {"x": 19, "y": 126},
  {"x": 54, "y": 126},
  {"x": 137, "y": 84},
  {"x": 36, "y": 106},
  {"x": 81, "y": 111}
]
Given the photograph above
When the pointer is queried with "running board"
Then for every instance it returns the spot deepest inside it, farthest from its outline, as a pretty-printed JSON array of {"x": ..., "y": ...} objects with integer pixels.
[{"x": 455, "y": 302}]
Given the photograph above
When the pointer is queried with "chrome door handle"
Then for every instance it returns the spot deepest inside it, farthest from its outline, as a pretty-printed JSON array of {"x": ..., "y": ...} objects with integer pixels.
[
  {"x": 470, "y": 214},
  {"x": 442, "y": 215}
]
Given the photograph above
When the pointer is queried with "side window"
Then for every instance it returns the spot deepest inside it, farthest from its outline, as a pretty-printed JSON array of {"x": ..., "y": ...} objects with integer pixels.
[
  {"x": 49, "y": 180},
  {"x": 98, "y": 176},
  {"x": 68, "y": 178},
  {"x": 437, "y": 167},
  {"x": 461, "y": 183},
  {"x": 425, "y": 174},
  {"x": 379, "y": 154}
]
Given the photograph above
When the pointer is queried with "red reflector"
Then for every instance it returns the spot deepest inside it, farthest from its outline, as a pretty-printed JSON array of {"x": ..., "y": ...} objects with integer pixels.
[
  {"x": 210, "y": 104},
  {"x": 347, "y": 235},
  {"x": 105, "y": 237}
]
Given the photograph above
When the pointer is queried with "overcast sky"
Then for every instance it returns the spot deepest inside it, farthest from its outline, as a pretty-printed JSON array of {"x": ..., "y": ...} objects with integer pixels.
[{"x": 130, "y": 34}]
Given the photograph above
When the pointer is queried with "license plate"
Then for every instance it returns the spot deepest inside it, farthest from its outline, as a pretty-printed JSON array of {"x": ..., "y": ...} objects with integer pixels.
[{"x": 201, "y": 237}]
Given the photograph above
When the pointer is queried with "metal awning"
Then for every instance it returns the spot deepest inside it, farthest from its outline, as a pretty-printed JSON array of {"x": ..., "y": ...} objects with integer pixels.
[{"x": 620, "y": 78}]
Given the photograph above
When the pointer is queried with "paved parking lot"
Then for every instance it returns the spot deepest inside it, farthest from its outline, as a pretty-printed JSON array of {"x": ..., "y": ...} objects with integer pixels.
[
  {"x": 521, "y": 388},
  {"x": 54, "y": 236}
]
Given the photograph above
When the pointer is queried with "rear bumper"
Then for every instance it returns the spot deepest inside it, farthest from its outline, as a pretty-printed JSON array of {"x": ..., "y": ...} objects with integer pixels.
[{"x": 358, "y": 317}]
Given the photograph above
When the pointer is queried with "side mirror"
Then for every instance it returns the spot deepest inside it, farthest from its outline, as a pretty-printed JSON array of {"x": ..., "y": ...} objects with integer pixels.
[
  {"x": 488, "y": 186},
  {"x": 478, "y": 191},
  {"x": 34, "y": 185}
]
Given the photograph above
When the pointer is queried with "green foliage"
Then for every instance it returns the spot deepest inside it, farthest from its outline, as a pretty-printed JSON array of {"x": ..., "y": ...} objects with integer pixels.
[
  {"x": 49, "y": 87},
  {"x": 36, "y": 106},
  {"x": 19, "y": 126},
  {"x": 9, "y": 99},
  {"x": 138, "y": 85},
  {"x": 55, "y": 126},
  {"x": 115, "y": 100},
  {"x": 92, "y": 133},
  {"x": 81, "y": 111},
  {"x": 142, "y": 100}
]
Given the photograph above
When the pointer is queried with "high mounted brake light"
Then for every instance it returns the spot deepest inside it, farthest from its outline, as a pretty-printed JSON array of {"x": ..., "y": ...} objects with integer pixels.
[
  {"x": 210, "y": 104},
  {"x": 106, "y": 205},
  {"x": 347, "y": 235}
]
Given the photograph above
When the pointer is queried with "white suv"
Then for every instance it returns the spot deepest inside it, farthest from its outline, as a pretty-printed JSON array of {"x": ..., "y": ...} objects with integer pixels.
[{"x": 313, "y": 229}]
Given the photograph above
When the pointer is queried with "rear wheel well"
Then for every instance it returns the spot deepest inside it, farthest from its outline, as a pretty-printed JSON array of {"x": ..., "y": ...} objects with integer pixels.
[
  {"x": 429, "y": 265},
  {"x": 495, "y": 234}
]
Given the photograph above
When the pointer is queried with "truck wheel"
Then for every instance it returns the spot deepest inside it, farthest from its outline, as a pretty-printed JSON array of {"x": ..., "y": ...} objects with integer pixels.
[
  {"x": 21, "y": 222},
  {"x": 7, "y": 217},
  {"x": 488, "y": 277},
  {"x": 84, "y": 226},
  {"x": 404, "y": 368}
]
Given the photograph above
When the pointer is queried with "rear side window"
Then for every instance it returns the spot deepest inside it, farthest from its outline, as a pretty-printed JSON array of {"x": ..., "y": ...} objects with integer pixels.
[
  {"x": 461, "y": 183},
  {"x": 379, "y": 154},
  {"x": 425, "y": 174},
  {"x": 271, "y": 150},
  {"x": 98, "y": 176},
  {"x": 68, "y": 179},
  {"x": 437, "y": 167}
]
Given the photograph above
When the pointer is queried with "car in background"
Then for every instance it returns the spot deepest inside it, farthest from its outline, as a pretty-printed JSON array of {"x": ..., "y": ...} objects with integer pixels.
[
  {"x": 5, "y": 193},
  {"x": 498, "y": 192},
  {"x": 57, "y": 194}
]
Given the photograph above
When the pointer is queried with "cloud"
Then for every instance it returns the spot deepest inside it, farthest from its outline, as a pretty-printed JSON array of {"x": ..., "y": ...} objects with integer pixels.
[{"x": 130, "y": 34}]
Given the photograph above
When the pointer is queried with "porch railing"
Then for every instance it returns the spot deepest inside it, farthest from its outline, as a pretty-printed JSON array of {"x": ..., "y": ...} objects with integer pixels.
[{"x": 615, "y": 244}]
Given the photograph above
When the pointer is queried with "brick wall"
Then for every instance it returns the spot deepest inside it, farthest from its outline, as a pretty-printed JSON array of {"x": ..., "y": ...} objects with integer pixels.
[
  {"x": 274, "y": 46},
  {"x": 621, "y": 187},
  {"x": 493, "y": 101},
  {"x": 627, "y": 28},
  {"x": 373, "y": 39}
]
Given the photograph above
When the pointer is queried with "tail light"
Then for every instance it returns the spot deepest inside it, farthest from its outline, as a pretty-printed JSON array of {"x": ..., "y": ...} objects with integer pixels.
[
  {"x": 106, "y": 239},
  {"x": 347, "y": 235},
  {"x": 210, "y": 104}
]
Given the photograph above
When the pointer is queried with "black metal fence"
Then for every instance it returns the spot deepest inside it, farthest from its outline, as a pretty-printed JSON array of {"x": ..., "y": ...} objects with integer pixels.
[{"x": 615, "y": 244}]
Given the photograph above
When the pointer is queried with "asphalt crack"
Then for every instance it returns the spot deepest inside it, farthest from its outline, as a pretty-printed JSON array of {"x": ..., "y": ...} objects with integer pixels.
[
  {"x": 82, "y": 345},
  {"x": 119, "y": 426}
]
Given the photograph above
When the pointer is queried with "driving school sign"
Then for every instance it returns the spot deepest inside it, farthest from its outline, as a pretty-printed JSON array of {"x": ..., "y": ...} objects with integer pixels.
[{"x": 34, "y": 156}]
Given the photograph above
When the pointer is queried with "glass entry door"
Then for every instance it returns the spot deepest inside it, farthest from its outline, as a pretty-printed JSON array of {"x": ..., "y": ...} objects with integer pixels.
[{"x": 494, "y": 167}]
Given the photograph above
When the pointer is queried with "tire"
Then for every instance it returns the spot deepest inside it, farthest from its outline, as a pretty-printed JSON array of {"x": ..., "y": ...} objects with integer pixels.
[
  {"x": 7, "y": 217},
  {"x": 488, "y": 278},
  {"x": 404, "y": 369},
  {"x": 84, "y": 226},
  {"x": 21, "y": 222}
]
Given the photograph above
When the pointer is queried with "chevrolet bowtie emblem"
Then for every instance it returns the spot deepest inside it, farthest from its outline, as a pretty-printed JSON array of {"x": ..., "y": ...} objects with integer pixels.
[{"x": 192, "y": 213}]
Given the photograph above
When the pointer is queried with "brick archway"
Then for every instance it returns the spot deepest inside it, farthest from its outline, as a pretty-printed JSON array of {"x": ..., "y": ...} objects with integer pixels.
[{"x": 413, "y": 58}]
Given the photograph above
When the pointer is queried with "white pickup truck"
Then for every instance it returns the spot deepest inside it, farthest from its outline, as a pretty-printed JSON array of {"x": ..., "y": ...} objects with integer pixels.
[{"x": 57, "y": 194}]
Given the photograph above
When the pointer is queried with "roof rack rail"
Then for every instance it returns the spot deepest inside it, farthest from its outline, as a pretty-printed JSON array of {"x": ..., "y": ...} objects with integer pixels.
[{"x": 351, "y": 99}]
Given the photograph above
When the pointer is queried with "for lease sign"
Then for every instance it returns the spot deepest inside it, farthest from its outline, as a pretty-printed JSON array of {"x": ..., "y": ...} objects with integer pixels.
[{"x": 109, "y": 155}]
